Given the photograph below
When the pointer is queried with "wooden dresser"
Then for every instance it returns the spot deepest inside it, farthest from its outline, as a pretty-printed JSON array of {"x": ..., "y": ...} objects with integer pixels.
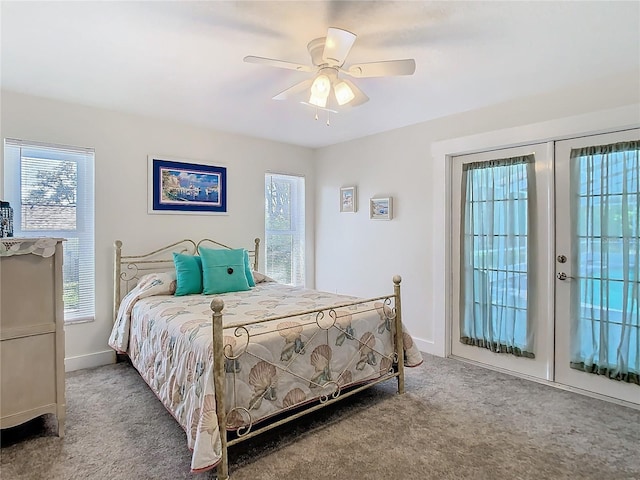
[{"x": 31, "y": 330}]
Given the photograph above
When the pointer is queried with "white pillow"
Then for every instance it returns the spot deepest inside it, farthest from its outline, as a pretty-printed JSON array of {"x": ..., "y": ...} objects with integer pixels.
[
  {"x": 160, "y": 283},
  {"x": 261, "y": 277}
]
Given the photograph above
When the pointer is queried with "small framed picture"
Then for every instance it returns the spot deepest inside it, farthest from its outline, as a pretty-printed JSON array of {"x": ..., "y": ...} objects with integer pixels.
[
  {"x": 381, "y": 208},
  {"x": 349, "y": 199}
]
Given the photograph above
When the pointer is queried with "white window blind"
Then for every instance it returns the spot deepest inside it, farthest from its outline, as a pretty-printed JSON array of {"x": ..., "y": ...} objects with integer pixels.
[
  {"x": 284, "y": 228},
  {"x": 51, "y": 190}
]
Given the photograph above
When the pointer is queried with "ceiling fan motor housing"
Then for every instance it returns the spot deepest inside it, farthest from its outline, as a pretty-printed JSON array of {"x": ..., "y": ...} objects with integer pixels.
[{"x": 316, "y": 49}]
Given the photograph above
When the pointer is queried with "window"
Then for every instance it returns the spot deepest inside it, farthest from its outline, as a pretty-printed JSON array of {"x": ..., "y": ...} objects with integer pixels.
[
  {"x": 284, "y": 228},
  {"x": 51, "y": 190}
]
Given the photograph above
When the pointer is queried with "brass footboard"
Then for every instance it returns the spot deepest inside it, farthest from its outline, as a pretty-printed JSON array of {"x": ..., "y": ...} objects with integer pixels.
[{"x": 239, "y": 419}]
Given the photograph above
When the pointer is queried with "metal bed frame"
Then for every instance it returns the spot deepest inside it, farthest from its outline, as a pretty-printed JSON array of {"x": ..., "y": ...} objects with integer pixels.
[{"x": 129, "y": 268}]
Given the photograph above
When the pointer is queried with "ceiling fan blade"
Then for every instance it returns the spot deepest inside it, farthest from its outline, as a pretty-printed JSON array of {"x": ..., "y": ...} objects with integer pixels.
[
  {"x": 277, "y": 63},
  {"x": 360, "y": 96},
  {"x": 291, "y": 91},
  {"x": 296, "y": 89},
  {"x": 383, "y": 69},
  {"x": 337, "y": 45}
]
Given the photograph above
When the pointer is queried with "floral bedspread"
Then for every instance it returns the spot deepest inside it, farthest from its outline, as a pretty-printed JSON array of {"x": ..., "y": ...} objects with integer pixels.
[{"x": 270, "y": 367}]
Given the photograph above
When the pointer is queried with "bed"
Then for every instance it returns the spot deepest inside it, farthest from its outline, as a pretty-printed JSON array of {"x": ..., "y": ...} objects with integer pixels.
[{"x": 252, "y": 359}]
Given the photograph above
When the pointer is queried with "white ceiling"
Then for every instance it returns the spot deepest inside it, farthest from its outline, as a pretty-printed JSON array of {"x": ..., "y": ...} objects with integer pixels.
[{"x": 182, "y": 60}]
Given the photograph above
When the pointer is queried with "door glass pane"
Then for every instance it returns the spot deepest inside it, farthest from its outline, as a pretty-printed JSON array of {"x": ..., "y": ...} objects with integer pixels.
[
  {"x": 495, "y": 266},
  {"x": 605, "y": 188}
]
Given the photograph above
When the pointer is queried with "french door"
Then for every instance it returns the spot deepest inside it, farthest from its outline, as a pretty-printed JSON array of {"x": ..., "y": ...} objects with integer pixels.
[
  {"x": 501, "y": 244},
  {"x": 546, "y": 262},
  {"x": 597, "y": 264}
]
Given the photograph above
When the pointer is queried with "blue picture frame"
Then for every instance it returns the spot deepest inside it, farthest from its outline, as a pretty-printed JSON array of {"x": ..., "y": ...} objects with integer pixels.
[{"x": 182, "y": 187}]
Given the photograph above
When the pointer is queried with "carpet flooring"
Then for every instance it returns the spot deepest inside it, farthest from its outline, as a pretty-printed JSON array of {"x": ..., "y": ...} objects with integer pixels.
[{"x": 456, "y": 422}]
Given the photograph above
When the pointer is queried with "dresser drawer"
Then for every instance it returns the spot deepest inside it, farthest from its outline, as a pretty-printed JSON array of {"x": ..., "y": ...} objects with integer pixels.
[
  {"x": 28, "y": 294},
  {"x": 28, "y": 373}
]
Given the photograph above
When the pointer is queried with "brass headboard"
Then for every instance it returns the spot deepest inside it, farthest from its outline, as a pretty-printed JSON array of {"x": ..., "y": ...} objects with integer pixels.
[{"x": 128, "y": 269}]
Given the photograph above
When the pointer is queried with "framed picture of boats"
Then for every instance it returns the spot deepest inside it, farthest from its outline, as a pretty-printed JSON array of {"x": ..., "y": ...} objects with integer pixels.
[
  {"x": 381, "y": 208},
  {"x": 181, "y": 187}
]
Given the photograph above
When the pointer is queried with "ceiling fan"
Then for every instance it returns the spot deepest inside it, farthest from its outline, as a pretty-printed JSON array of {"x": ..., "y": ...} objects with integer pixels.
[{"x": 328, "y": 89}]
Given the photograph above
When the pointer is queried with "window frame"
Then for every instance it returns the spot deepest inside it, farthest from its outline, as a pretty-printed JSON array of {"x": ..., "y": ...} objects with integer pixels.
[
  {"x": 85, "y": 212},
  {"x": 297, "y": 230}
]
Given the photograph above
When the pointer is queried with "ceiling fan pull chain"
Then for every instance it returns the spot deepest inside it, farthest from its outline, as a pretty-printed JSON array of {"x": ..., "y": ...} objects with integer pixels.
[
  {"x": 328, "y": 124},
  {"x": 316, "y": 114}
]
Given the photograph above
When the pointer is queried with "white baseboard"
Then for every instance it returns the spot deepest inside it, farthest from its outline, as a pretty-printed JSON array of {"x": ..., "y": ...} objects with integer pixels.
[
  {"x": 428, "y": 346},
  {"x": 91, "y": 360}
]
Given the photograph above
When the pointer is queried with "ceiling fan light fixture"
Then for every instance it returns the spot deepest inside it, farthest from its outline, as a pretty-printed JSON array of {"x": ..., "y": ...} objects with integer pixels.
[
  {"x": 344, "y": 94},
  {"x": 321, "y": 87},
  {"x": 318, "y": 101}
]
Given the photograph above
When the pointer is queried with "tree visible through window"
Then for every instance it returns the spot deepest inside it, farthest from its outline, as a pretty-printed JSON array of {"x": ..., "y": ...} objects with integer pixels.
[
  {"x": 48, "y": 191},
  {"x": 284, "y": 228}
]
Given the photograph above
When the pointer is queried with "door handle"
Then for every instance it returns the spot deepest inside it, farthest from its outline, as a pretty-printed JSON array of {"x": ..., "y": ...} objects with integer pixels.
[{"x": 563, "y": 276}]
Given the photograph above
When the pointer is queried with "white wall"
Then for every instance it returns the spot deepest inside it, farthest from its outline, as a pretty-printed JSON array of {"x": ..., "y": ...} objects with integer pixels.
[
  {"x": 353, "y": 254},
  {"x": 122, "y": 143},
  {"x": 359, "y": 256}
]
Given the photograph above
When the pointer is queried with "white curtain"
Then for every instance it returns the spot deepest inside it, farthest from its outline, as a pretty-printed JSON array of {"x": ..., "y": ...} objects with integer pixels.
[
  {"x": 497, "y": 249},
  {"x": 605, "y": 203}
]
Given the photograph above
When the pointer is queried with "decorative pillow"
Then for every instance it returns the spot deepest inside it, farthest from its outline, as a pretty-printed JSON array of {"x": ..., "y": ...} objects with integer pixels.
[
  {"x": 188, "y": 274},
  {"x": 223, "y": 271},
  {"x": 159, "y": 283},
  {"x": 261, "y": 277},
  {"x": 247, "y": 269}
]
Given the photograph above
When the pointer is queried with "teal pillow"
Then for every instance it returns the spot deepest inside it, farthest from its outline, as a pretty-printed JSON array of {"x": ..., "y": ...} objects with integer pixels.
[
  {"x": 223, "y": 271},
  {"x": 247, "y": 270},
  {"x": 188, "y": 274}
]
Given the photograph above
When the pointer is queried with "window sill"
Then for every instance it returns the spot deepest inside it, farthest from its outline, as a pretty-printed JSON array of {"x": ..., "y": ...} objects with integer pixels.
[{"x": 76, "y": 321}]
